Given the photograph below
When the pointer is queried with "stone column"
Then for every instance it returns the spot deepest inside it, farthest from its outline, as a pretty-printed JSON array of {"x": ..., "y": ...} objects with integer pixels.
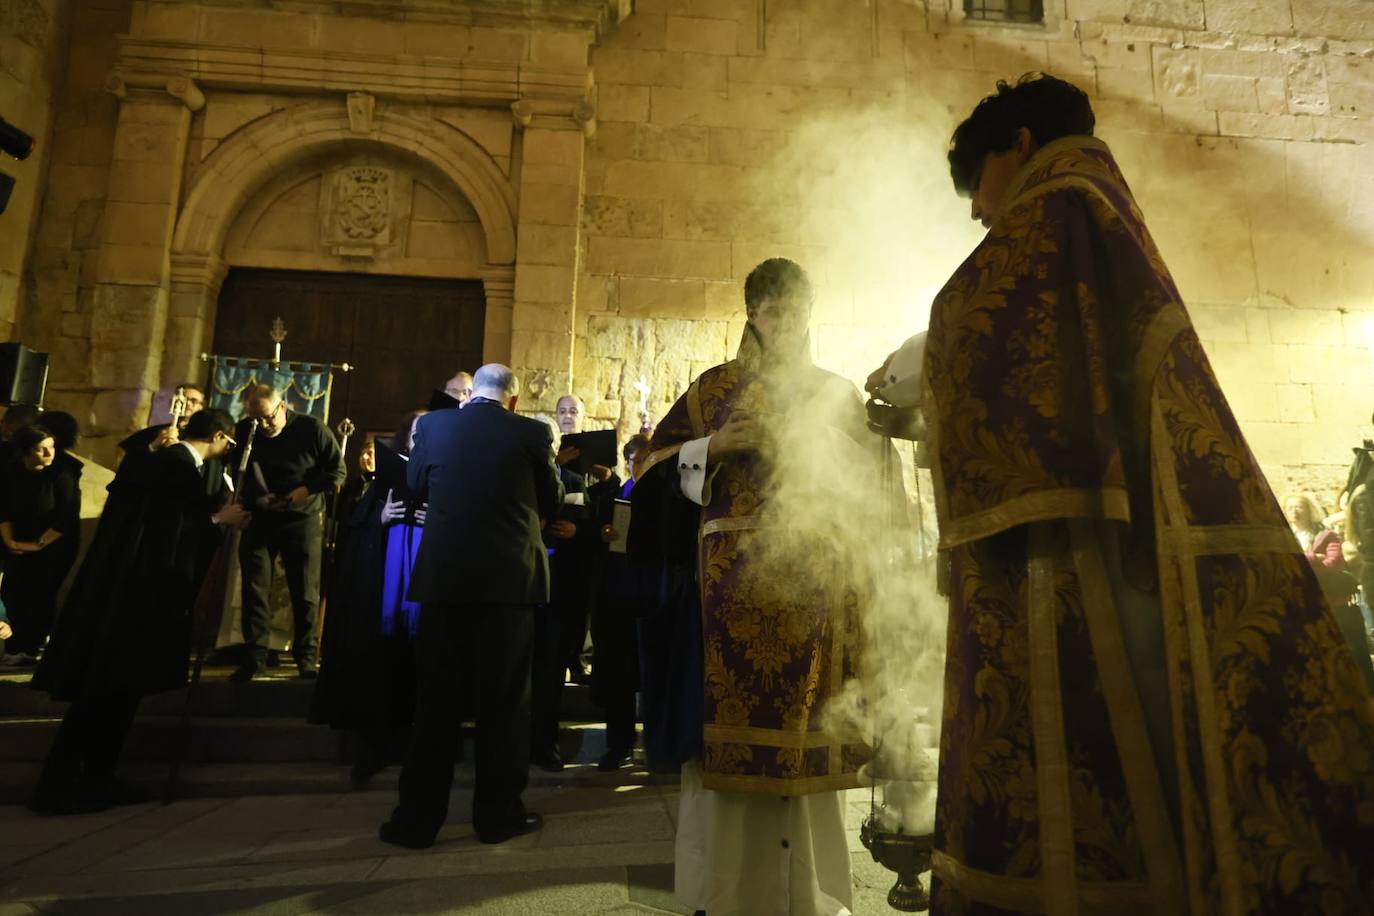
[
  {"x": 541, "y": 338},
  {"x": 130, "y": 293},
  {"x": 498, "y": 286},
  {"x": 192, "y": 304}
]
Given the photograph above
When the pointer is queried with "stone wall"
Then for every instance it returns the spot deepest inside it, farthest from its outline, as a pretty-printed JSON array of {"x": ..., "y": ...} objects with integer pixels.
[
  {"x": 818, "y": 131},
  {"x": 624, "y": 179},
  {"x": 32, "y": 55}
]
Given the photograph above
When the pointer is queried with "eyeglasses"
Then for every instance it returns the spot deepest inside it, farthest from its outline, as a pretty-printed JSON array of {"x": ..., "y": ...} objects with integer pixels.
[{"x": 230, "y": 439}]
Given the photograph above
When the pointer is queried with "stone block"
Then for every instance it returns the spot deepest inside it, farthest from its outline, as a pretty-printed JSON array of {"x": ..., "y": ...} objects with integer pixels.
[
  {"x": 689, "y": 341},
  {"x": 946, "y": 51},
  {"x": 1095, "y": 10},
  {"x": 1230, "y": 93},
  {"x": 1277, "y": 127},
  {"x": 1271, "y": 95},
  {"x": 1189, "y": 118},
  {"x": 560, "y": 50},
  {"x": 141, "y": 183},
  {"x": 627, "y": 218},
  {"x": 1132, "y": 85},
  {"x": 672, "y": 106},
  {"x": 1254, "y": 402},
  {"x": 1220, "y": 323},
  {"x": 1312, "y": 327},
  {"x": 543, "y": 350},
  {"x": 260, "y": 28},
  {"x": 622, "y": 103},
  {"x": 995, "y": 52},
  {"x": 782, "y": 39},
  {"x": 1332, "y": 18},
  {"x": 1295, "y": 404},
  {"x": 549, "y": 204},
  {"x": 659, "y": 258},
  {"x": 612, "y": 337},
  {"x": 704, "y": 36},
  {"x": 1254, "y": 17},
  {"x": 1178, "y": 73},
  {"x": 745, "y": 146},
  {"x": 536, "y": 283},
  {"x": 542, "y": 317},
  {"x": 596, "y": 293},
  {"x": 123, "y": 367},
  {"x": 553, "y": 146},
  {"x": 151, "y": 143},
  {"x": 84, "y": 146},
  {"x": 645, "y": 31},
  {"x": 1307, "y": 90},
  {"x": 547, "y": 245},
  {"x": 650, "y": 297},
  {"x": 115, "y": 263},
  {"x": 1173, "y": 14},
  {"x": 724, "y": 300},
  {"x": 138, "y": 223}
]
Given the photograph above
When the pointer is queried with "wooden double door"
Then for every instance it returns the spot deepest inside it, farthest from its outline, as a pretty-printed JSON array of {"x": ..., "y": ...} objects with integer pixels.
[{"x": 406, "y": 336}]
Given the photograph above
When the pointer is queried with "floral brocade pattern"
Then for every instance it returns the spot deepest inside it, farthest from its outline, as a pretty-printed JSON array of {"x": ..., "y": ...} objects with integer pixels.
[
  {"x": 780, "y": 619},
  {"x": 1067, "y": 388}
]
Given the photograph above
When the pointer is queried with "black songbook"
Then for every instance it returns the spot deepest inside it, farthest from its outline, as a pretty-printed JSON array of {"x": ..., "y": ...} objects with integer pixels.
[
  {"x": 442, "y": 400},
  {"x": 598, "y": 447},
  {"x": 391, "y": 471}
]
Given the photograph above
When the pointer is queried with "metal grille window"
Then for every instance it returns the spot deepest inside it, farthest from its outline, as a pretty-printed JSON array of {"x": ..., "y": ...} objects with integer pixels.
[{"x": 1005, "y": 10}]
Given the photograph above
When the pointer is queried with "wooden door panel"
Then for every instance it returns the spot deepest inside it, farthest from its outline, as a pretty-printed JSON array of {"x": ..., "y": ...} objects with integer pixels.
[{"x": 405, "y": 335}]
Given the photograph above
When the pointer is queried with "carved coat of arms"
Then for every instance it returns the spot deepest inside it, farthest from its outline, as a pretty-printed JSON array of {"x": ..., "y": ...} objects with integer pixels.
[{"x": 362, "y": 206}]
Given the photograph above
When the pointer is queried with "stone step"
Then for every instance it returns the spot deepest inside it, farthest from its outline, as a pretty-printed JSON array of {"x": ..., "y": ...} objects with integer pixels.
[
  {"x": 581, "y": 746},
  {"x": 274, "y": 697}
]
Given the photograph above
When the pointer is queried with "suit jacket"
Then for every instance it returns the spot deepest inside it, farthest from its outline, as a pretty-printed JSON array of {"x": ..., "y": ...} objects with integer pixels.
[{"x": 490, "y": 480}]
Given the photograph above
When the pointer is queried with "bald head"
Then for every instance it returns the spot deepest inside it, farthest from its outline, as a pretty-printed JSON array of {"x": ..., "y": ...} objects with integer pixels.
[
  {"x": 496, "y": 382},
  {"x": 459, "y": 388},
  {"x": 569, "y": 413}
]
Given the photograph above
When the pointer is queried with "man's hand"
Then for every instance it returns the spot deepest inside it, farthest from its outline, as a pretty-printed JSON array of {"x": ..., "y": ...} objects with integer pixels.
[
  {"x": 5, "y": 630},
  {"x": 741, "y": 433},
  {"x": 234, "y": 515},
  {"x": 169, "y": 436},
  {"x": 297, "y": 497},
  {"x": 571, "y": 453},
  {"x": 392, "y": 511},
  {"x": 878, "y": 377},
  {"x": 18, "y": 547},
  {"x": 563, "y": 530},
  {"x": 421, "y": 514},
  {"x": 600, "y": 472}
]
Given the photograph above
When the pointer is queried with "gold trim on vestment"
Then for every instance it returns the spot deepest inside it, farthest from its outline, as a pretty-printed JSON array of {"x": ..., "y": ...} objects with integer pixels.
[
  {"x": 776, "y": 737},
  {"x": 1159, "y": 336},
  {"x": 1127, "y": 717},
  {"x": 1026, "y": 895},
  {"x": 1171, "y": 524},
  {"x": 1110, "y": 503},
  {"x": 773, "y": 785},
  {"x": 1211, "y": 540},
  {"x": 729, "y": 523},
  {"x": 656, "y": 457},
  {"x": 1031, "y": 166},
  {"x": 1054, "y": 806},
  {"x": 694, "y": 412}
]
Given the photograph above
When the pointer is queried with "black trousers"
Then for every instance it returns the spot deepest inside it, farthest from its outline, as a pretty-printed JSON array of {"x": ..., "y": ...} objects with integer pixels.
[
  {"x": 298, "y": 540},
  {"x": 86, "y": 750},
  {"x": 546, "y": 679},
  {"x": 483, "y": 652}
]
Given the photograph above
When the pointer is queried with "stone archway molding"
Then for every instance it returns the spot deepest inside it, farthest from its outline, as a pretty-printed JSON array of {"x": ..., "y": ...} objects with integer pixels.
[{"x": 249, "y": 157}]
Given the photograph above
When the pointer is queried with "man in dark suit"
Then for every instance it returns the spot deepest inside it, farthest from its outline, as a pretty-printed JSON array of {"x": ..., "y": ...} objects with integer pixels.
[
  {"x": 125, "y": 630},
  {"x": 489, "y": 478}
]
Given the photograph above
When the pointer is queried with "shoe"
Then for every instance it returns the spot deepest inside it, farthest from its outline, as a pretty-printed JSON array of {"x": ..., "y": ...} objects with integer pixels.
[
  {"x": 548, "y": 761},
  {"x": 396, "y": 835},
  {"x": 246, "y": 671},
  {"x": 512, "y": 829},
  {"x": 613, "y": 760},
  {"x": 307, "y": 670}
]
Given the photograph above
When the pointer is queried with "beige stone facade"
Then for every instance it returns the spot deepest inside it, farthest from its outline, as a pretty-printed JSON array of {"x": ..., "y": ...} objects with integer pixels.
[{"x": 611, "y": 174}]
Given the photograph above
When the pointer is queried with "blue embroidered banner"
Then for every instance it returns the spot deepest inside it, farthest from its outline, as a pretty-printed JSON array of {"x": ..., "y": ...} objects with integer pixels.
[{"x": 304, "y": 386}]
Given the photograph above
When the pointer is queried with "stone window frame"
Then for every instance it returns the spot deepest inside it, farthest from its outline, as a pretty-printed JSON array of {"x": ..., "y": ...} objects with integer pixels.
[
  {"x": 1052, "y": 19},
  {"x": 976, "y": 11}
]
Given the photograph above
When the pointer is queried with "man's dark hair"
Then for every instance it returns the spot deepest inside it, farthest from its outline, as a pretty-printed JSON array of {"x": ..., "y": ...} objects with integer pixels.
[
  {"x": 63, "y": 427},
  {"x": 203, "y": 424},
  {"x": 28, "y": 437},
  {"x": 1046, "y": 106},
  {"x": 190, "y": 386},
  {"x": 777, "y": 277},
  {"x": 17, "y": 416},
  {"x": 635, "y": 444}
]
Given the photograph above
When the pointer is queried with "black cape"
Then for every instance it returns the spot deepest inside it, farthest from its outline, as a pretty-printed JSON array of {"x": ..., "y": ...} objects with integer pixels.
[
  {"x": 367, "y": 679},
  {"x": 126, "y": 623}
]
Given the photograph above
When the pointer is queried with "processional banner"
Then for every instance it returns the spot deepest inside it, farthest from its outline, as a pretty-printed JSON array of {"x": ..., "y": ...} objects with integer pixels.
[{"x": 304, "y": 386}]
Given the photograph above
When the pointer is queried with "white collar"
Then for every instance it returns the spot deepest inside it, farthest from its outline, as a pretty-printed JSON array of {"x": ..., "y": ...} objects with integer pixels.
[{"x": 195, "y": 455}]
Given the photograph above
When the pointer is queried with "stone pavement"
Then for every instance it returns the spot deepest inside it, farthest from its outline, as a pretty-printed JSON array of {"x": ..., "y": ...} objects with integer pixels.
[{"x": 603, "y": 850}]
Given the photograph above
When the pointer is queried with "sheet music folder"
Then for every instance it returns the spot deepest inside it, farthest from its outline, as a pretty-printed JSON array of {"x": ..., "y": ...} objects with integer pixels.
[{"x": 598, "y": 447}]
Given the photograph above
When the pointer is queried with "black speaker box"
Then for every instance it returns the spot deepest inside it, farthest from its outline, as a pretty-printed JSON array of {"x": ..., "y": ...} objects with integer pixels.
[{"x": 23, "y": 375}]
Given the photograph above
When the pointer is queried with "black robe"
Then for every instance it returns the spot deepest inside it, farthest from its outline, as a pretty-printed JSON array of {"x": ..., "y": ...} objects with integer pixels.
[
  {"x": 662, "y": 546},
  {"x": 367, "y": 680},
  {"x": 126, "y": 623}
]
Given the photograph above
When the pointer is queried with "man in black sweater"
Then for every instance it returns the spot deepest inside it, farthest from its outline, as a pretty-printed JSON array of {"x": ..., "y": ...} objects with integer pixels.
[
  {"x": 296, "y": 463},
  {"x": 489, "y": 478}
]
